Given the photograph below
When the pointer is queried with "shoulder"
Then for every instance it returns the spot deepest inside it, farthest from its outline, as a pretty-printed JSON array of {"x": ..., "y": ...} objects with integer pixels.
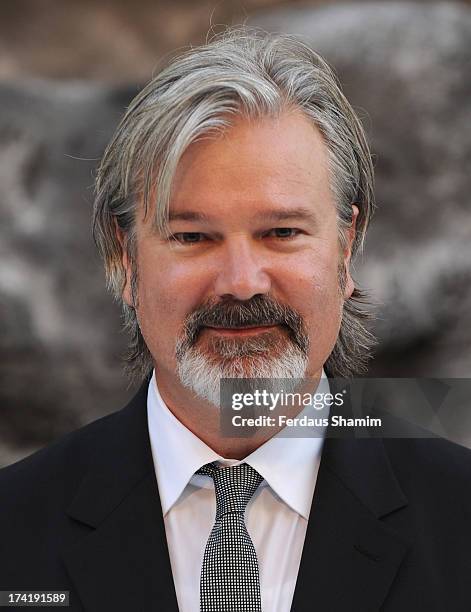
[
  {"x": 38, "y": 492},
  {"x": 426, "y": 466},
  {"x": 436, "y": 455},
  {"x": 55, "y": 468},
  {"x": 53, "y": 474}
]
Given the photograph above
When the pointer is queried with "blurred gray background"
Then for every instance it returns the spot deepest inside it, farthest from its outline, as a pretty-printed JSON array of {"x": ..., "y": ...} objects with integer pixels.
[{"x": 67, "y": 71}]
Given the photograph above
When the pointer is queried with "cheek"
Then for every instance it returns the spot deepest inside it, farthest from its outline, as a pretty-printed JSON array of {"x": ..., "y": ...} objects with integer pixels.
[
  {"x": 314, "y": 282},
  {"x": 316, "y": 295},
  {"x": 323, "y": 321},
  {"x": 323, "y": 303},
  {"x": 167, "y": 293}
]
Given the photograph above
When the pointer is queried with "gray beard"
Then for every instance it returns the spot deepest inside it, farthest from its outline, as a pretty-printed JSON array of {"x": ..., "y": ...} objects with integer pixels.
[{"x": 202, "y": 373}]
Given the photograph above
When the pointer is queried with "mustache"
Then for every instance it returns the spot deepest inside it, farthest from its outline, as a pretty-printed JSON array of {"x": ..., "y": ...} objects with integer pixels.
[{"x": 260, "y": 310}]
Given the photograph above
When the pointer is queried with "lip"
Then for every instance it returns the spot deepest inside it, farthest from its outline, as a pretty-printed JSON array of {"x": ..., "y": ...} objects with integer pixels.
[{"x": 242, "y": 331}]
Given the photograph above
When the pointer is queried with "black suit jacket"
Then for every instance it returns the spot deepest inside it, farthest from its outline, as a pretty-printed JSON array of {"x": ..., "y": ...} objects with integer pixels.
[{"x": 389, "y": 527}]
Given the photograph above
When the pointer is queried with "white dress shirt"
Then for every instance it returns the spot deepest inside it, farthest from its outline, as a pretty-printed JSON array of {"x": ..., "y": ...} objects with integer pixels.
[{"x": 276, "y": 516}]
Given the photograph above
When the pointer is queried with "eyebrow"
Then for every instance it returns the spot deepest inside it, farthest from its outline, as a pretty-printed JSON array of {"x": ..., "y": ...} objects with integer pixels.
[
  {"x": 286, "y": 214},
  {"x": 188, "y": 215}
]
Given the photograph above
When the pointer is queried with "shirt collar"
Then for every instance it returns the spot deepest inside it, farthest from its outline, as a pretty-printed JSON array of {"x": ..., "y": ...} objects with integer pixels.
[{"x": 288, "y": 464}]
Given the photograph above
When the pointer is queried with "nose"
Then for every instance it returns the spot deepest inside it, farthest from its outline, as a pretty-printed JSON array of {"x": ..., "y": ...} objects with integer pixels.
[{"x": 241, "y": 273}]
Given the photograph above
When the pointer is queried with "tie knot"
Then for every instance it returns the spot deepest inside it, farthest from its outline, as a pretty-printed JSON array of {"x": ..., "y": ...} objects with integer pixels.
[{"x": 234, "y": 486}]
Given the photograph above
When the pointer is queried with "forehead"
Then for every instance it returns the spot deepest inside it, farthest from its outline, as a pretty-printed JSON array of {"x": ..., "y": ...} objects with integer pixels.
[
  {"x": 283, "y": 157},
  {"x": 268, "y": 164}
]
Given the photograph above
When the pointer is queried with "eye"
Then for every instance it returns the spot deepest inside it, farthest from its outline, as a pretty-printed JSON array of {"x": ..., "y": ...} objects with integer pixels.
[
  {"x": 188, "y": 237},
  {"x": 284, "y": 233}
]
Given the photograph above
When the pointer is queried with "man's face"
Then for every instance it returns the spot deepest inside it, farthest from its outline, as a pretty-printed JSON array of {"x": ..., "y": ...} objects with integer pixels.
[{"x": 252, "y": 273}]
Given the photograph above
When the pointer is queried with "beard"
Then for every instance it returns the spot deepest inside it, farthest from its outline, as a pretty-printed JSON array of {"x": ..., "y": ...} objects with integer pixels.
[{"x": 278, "y": 353}]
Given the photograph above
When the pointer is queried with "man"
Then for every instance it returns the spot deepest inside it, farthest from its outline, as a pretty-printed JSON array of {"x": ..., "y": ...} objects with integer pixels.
[{"x": 229, "y": 204}]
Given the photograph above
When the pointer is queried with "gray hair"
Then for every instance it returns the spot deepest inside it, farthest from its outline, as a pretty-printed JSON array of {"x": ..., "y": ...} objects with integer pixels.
[{"x": 242, "y": 72}]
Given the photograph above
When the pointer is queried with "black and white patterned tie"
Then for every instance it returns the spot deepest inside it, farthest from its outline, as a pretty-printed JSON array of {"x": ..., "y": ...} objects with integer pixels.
[{"x": 229, "y": 577}]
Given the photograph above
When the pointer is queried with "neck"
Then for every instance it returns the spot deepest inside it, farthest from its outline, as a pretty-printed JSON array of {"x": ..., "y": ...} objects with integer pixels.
[{"x": 203, "y": 418}]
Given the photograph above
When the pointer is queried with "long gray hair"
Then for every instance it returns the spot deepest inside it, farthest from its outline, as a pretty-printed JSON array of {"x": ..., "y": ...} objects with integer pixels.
[{"x": 242, "y": 72}]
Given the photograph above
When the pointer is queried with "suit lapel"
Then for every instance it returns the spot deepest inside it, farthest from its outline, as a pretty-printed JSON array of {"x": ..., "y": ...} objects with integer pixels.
[
  {"x": 350, "y": 557},
  {"x": 122, "y": 562}
]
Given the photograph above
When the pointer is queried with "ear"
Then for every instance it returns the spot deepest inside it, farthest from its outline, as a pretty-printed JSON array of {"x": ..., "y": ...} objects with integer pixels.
[
  {"x": 122, "y": 239},
  {"x": 347, "y": 253}
]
